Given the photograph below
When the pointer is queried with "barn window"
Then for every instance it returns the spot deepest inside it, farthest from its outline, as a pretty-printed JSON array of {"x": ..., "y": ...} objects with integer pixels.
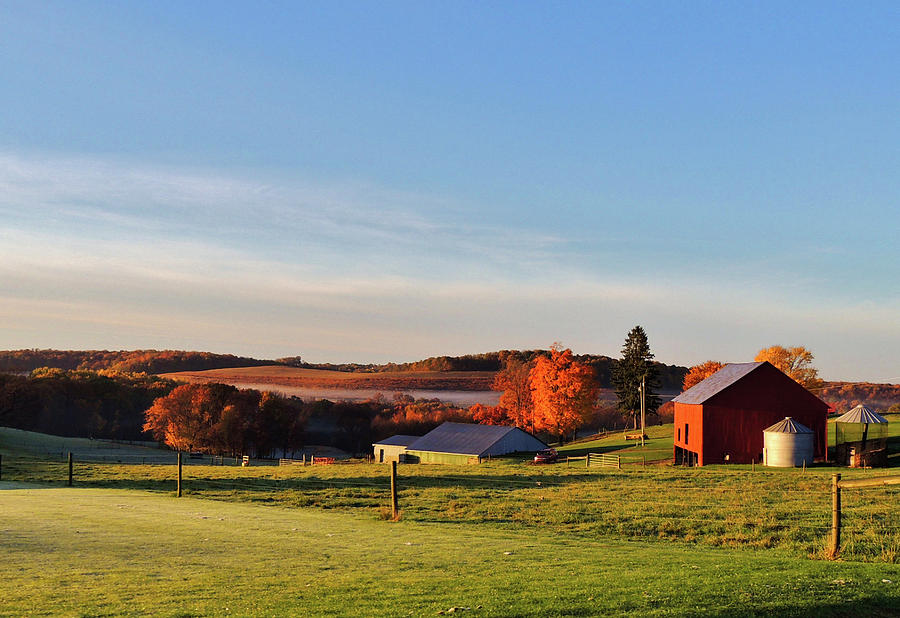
[
  {"x": 679, "y": 434},
  {"x": 687, "y": 428}
]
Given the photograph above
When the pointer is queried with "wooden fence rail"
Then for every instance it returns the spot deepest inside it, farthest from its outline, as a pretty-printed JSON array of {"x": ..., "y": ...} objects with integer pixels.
[{"x": 836, "y": 486}]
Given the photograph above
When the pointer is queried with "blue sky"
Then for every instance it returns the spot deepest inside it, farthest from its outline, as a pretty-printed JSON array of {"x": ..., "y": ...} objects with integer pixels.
[{"x": 353, "y": 181}]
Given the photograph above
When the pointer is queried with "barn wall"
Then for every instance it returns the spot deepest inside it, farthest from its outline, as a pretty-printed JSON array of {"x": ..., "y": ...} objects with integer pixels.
[
  {"x": 692, "y": 415},
  {"x": 514, "y": 442}
]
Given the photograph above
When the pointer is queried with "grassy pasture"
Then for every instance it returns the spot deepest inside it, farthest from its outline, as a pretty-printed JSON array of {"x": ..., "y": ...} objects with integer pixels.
[
  {"x": 704, "y": 507},
  {"x": 79, "y": 552},
  {"x": 40, "y": 446}
]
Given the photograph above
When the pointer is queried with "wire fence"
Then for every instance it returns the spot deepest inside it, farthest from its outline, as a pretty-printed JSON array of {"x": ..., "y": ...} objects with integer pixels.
[{"x": 722, "y": 507}]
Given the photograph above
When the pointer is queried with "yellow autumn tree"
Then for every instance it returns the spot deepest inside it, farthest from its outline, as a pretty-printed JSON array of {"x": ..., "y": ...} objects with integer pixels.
[{"x": 795, "y": 362}]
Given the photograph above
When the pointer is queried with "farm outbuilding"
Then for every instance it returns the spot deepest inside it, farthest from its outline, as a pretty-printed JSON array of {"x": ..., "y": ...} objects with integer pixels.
[
  {"x": 788, "y": 444},
  {"x": 393, "y": 448},
  {"x": 860, "y": 438},
  {"x": 722, "y": 419},
  {"x": 462, "y": 443}
]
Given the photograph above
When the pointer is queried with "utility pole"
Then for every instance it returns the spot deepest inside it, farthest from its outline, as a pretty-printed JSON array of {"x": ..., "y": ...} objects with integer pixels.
[{"x": 642, "y": 389}]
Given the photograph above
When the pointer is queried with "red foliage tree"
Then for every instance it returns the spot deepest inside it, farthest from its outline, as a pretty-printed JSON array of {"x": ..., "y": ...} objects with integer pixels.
[
  {"x": 515, "y": 399},
  {"x": 184, "y": 419},
  {"x": 489, "y": 415}
]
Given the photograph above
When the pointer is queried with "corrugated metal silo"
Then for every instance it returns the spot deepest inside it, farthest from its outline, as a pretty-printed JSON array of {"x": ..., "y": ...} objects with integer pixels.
[{"x": 788, "y": 444}]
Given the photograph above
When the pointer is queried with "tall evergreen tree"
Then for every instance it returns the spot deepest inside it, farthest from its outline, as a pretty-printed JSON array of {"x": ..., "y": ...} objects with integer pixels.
[{"x": 636, "y": 363}]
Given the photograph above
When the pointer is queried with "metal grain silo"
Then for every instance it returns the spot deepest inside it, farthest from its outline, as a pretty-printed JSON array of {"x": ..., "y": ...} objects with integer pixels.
[{"x": 788, "y": 444}]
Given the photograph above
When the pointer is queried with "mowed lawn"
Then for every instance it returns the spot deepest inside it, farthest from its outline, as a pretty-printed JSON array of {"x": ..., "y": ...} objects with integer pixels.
[{"x": 85, "y": 551}]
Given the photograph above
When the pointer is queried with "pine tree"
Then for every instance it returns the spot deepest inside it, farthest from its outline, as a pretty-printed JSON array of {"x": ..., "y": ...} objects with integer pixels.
[{"x": 636, "y": 363}]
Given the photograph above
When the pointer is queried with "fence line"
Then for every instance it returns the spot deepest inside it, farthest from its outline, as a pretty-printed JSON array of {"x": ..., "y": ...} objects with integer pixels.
[
  {"x": 752, "y": 509},
  {"x": 836, "y": 486}
]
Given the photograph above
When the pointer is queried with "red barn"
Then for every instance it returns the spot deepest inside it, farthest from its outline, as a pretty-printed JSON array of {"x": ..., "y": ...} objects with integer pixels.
[{"x": 721, "y": 419}]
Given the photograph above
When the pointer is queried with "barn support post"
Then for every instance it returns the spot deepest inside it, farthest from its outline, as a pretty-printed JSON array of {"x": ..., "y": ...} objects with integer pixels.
[
  {"x": 835, "y": 515},
  {"x": 395, "y": 509},
  {"x": 178, "y": 492},
  {"x": 69, "y": 482}
]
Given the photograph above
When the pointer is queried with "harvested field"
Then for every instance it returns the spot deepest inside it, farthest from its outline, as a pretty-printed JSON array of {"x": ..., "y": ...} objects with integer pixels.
[{"x": 279, "y": 375}]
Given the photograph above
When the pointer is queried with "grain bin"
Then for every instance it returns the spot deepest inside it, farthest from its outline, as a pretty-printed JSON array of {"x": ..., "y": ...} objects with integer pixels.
[{"x": 788, "y": 444}]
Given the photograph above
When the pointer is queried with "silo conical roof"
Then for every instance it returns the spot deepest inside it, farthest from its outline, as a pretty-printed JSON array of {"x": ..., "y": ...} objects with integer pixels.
[
  {"x": 861, "y": 414},
  {"x": 788, "y": 425}
]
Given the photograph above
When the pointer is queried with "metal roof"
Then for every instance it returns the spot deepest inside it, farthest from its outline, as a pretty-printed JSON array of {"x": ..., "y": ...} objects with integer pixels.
[
  {"x": 788, "y": 425},
  {"x": 462, "y": 438},
  {"x": 861, "y": 414},
  {"x": 398, "y": 440},
  {"x": 717, "y": 382}
]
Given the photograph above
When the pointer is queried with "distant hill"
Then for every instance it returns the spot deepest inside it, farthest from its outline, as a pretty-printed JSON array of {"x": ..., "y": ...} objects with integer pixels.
[
  {"x": 845, "y": 395},
  {"x": 171, "y": 361},
  {"x": 129, "y": 361}
]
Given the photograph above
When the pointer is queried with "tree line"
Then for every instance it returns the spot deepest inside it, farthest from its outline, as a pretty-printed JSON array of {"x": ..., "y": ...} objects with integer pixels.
[
  {"x": 122, "y": 361},
  {"x": 80, "y": 403}
]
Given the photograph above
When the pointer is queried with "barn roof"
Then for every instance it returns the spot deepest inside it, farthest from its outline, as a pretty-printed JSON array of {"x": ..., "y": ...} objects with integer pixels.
[
  {"x": 462, "y": 438},
  {"x": 788, "y": 425},
  {"x": 861, "y": 414},
  {"x": 716, "y": 383},
  {"x": 398, "y": 440}
]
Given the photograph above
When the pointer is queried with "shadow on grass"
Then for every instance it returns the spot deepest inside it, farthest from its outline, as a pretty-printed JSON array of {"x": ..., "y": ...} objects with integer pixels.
[{"x": 495, "y": 483}]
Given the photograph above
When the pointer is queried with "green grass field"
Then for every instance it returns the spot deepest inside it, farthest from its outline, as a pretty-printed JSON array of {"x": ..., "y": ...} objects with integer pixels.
[
  {"x": 103, "y": 552},
  {"x": 268, "y": 540}
]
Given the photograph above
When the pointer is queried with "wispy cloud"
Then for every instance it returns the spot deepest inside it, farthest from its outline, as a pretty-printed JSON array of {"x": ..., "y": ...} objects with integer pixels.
[
  {"x": 98, "y": 253},
  {"x": 322, "y": 222}
]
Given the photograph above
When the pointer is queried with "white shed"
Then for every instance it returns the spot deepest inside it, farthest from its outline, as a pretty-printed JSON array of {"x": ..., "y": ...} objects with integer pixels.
[{"x": 390, "y": 449}]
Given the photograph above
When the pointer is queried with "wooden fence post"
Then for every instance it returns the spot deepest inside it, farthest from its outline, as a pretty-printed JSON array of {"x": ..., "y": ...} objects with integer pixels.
[
  {"x": 179, "y": 474},
  {"x": 69, "y": 483},
  {"x": 394, "y": 505},
  {"x": 835, "y": 515},
  {"x": 587, "y": 461}
]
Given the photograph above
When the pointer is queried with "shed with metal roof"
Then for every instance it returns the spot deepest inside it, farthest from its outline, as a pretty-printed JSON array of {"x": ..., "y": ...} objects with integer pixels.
[
  {"x": 393, "y": 448},
  {"x": 462, "y": 443},
  {"x": 722, "y": 419}
]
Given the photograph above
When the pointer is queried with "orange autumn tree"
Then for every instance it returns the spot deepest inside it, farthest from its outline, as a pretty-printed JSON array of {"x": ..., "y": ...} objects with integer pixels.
[
  {"x": 515, "y": 400},
  {"x": 185, "y": 418},
  {"x": 489, "y": 415},
  {"x": 698, "y": 373},
  {"x": 563, "y": 390}
]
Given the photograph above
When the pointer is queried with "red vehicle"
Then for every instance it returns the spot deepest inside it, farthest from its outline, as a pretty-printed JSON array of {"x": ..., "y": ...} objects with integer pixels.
[{"x": 548, "y": 455}]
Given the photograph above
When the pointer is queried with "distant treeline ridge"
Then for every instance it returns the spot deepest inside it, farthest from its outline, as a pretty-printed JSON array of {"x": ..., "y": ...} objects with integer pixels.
[
  {"x": 126, "y": 361},
  {"x": 169, "y": 361}
]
